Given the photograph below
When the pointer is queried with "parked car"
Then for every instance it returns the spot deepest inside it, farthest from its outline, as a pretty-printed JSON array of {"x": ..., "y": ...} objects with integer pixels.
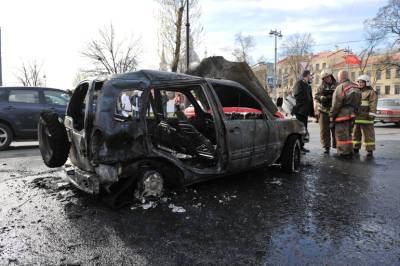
[
  {"x": 388, "y": 111},
  {"x": 130, "y": 131},
  {"x": 20, "y": 108}
]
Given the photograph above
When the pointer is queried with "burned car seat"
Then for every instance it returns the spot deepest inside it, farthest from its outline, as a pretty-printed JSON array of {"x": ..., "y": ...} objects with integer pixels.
[{"x": 182, "y": 137}]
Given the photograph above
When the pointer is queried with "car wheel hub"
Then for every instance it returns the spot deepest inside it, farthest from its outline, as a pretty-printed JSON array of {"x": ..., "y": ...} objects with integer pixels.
[
  {"x": 3, "y": 136},
  {"x": 152, "y": 184}
]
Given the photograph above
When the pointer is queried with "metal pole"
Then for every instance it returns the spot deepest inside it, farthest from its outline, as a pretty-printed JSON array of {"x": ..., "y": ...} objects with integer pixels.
[
  {"x": 275, "y": 76},
  {"x": 187, "y": 35},
  {"x": 1, "y": 76}
]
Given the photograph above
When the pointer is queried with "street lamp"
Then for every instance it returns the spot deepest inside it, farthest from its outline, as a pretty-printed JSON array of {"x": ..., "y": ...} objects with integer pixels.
[
  {"x": 187, "y": 36},
  {"x": 277, "y": 34}
]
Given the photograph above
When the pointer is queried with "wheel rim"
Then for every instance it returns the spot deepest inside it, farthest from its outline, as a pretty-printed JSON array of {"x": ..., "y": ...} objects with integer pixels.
[
  {"x": 3, "y": 136},
  {"x": 151, "y": 184}
]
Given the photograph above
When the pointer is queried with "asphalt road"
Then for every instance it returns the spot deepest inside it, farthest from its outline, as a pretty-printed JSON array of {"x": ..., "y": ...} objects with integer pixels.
[{"x": 335, "y": 212}]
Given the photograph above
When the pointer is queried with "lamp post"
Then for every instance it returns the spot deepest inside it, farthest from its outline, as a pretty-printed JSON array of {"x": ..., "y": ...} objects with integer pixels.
[
  {"x": 187, "y": 35},
  {"x": 277, "y": 34}
]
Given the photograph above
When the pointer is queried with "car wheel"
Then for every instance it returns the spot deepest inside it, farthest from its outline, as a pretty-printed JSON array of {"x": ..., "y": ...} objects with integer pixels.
[
  {"x": 150, "y": 184},
  {"x": 6, "y": 136},
  {"x": 53, "y": 140},
  {"x": 291, "y": 155}
]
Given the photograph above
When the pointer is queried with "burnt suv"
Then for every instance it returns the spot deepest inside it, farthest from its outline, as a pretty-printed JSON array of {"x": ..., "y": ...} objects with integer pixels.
[{"x": 146, "y": 129}]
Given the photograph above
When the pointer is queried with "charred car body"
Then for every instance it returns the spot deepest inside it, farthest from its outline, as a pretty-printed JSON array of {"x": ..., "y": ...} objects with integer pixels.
[{"x": 145, "y": 129}]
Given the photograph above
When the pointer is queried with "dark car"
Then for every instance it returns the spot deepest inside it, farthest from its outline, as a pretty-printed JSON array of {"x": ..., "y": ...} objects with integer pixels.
[
  {"x": 388, "y": 111},
  {"x": 130, "y": 131},
  {"x": 20, "y": 108}
]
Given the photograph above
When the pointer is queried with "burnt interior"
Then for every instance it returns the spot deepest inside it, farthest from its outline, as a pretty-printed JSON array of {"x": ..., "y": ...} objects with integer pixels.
[
  {"x": 180, "y": 122},
  {"x": 76, "y": 107}
]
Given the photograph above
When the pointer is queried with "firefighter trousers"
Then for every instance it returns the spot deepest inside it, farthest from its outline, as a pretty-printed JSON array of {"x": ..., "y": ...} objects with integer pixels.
[
  {"x": 365, "y": 132},
  {"x": 344, "y": 142},
  {"x": 326, "y": 133}
]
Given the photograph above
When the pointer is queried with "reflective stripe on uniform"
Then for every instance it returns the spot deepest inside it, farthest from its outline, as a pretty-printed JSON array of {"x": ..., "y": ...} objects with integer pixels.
[
  {"x": 356, "y": 142},
  {"x": 359, "y": 121},
  {"x": 364, "y": 103},
  {"x": 369, "y": 143},
  {"x": 343, "y": 118},
  {"x": 343, "y": 142}
]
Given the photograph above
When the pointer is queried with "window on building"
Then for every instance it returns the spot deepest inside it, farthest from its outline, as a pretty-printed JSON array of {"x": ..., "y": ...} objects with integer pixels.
[
  {"x": 378, "y": 90},
  {"x": 353, "y": 76},
  {"x": 378, "y": 74},
  {"x": 398, "y": 72},
  {"x": 397, "y": 89},
  {"x": 387, "y": 89},
  {"x": 316, "y": 67},
  {"x": 316, "y": 79},
  {"x": 388, "y": 73},
  {"x": 369, "y": 73},
  {"x": 323, "y": 65},
  {"x": 286, "y": 70}
]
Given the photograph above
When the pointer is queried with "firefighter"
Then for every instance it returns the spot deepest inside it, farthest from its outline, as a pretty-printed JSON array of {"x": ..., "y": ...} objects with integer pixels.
[
  {"x": 346, "y": 99},
  {"x": 323, "y": 97},
  {"x": 364, "y": 123}
]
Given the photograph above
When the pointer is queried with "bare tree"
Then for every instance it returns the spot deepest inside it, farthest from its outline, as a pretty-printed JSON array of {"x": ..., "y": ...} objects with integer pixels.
[
  {"x": 31, "y": 74},
  {"x": 172, "y": 17},
  {"x": 387, "y": 21},
  {"x": 110, "y": 55},
  {"x": 244, "y": 45},
  {"x": 373, "y": 39},
  {"x": 297, "y": 51}
]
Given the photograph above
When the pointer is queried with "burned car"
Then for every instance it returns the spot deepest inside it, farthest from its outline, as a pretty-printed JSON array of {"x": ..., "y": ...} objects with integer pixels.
[{"x": 146, "y": 129}]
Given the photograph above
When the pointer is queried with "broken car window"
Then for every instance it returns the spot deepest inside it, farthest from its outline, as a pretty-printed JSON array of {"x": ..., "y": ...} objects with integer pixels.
[
  {"x": 237, "y": 103},
  {"x": 128, "y": 103}
]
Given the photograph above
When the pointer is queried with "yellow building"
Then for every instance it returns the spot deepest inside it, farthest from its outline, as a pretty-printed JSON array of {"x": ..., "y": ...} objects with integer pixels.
[{"x": 385, "y": 79}]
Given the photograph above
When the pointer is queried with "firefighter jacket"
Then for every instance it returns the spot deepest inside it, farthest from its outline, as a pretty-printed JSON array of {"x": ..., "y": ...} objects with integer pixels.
[
  {"x": 346, "y": 100},
  {"x": 367, "y": 109},
  {"x": 323, "y": 97}
]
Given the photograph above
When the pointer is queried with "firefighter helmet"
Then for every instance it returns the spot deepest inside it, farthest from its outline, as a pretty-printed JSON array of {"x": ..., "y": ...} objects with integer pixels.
[
  {"x": 326, "y": 73},
  {"x": 365, "y": 78}
]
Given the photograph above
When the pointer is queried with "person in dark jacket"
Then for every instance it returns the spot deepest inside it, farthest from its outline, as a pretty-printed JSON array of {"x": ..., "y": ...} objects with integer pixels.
[{"x": 304, "y": 101}]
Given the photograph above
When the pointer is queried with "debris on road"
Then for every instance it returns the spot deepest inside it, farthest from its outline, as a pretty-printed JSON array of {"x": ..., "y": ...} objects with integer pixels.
[{"x": 176, "y": 209}]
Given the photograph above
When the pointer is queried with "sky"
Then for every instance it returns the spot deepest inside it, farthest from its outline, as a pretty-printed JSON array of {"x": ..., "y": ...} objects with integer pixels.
[{"x": 55, "y": 32}]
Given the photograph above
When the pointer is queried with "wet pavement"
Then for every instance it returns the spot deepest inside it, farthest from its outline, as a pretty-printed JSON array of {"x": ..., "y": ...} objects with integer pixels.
[{"x": 334, "y": 212}]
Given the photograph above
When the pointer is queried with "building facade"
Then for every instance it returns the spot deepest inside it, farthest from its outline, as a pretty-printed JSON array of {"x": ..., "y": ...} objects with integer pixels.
[{"x": 385, "y": 79}]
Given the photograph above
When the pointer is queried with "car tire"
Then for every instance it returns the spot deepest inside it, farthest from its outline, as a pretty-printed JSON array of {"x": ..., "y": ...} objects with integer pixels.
[
  {"x": 291, "y": 155},
  {"x": 6, "y": 136},
  {"x": 53, "y": 140}
]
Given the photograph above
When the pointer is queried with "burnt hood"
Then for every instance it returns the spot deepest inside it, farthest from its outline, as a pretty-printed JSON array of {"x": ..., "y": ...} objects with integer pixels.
[{"x": 218, "y": 67}]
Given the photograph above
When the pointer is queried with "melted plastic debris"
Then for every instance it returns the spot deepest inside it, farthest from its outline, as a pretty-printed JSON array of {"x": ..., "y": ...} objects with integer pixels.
[
  {"x": 145, "y": 206},
  {"x": 276, "y": 181},
  {"x": 176, "y": 208}
]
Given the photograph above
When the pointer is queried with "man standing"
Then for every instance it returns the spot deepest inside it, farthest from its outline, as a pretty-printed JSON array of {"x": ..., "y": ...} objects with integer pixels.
[
  {"x": 323, "y": 98},
  {"x": 365, "y": 115},
  {"x": 304, "y": 102},
  {"x": 346, "y": 99}
]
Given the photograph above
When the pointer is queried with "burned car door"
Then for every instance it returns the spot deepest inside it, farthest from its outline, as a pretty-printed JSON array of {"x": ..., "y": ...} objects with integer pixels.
[
  {"x": 246, "y": 127},
  {"x": 76, "y": 124},
  {"x": 181, "y": 124}
]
